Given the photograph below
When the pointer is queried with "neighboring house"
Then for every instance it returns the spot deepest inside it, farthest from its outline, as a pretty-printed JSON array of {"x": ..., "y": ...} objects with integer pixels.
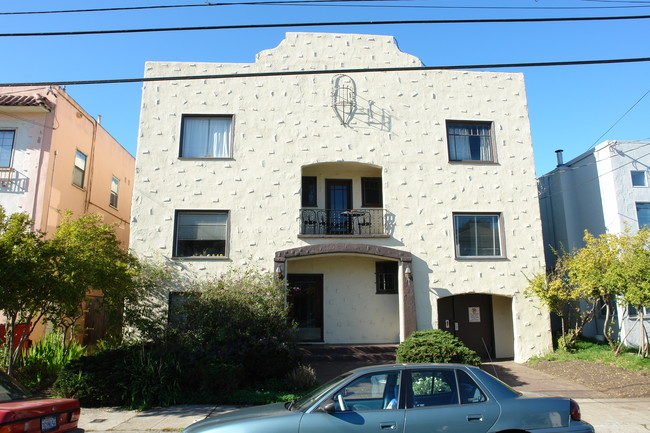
[
  {"x": 604, "y": 190},
  {"x": 55, "y": 157},
  {"x": 395, "y": 201}
]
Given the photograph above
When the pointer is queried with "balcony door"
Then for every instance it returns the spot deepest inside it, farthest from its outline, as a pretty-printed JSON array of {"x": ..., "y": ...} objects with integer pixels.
[{"x": 338, "y": 199}]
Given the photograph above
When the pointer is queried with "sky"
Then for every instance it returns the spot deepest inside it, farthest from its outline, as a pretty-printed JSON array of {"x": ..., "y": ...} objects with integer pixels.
[{"x": 570, "y": 107}]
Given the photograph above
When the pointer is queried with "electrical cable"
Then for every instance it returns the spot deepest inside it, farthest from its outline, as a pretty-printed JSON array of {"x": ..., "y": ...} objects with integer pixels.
[
  {"x": 331, "y": 24},
  {"x": 619, "y": 119},
  {"x": 332, "y": 71}
]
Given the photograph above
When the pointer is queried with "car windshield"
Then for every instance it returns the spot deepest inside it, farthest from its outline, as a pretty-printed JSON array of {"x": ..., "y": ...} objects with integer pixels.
[
  {"x": 316, "y": 394},
  {"x": 10, "y": 389}
]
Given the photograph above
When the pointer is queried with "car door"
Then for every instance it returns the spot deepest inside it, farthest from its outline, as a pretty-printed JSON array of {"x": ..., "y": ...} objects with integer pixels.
[
  {"x": 446, "y": 400},
  {"x": 370, "y": 403}
]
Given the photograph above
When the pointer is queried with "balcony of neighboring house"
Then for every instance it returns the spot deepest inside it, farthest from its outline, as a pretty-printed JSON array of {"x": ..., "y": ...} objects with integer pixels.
[{"x": 342, "y": 199}]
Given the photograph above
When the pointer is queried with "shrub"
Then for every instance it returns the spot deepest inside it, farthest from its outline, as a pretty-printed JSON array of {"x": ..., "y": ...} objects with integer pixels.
[
  {"x": 435, "y": 345},
  {"x": 301, "y": 378}
]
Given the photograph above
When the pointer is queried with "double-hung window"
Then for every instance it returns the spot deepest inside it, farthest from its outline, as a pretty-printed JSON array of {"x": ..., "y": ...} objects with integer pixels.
[
  {"x": 386, "y": 277},
  {"x": 115, "y": 190},
  {"x": 470, "y": 141},
  {"x": 206, "y": 137},
  {"x": 6, "y": 147},
  {"x": 201, "y": 234},
  {"x": 477, "y": 235},
  {"x": 79, "y": 173}
]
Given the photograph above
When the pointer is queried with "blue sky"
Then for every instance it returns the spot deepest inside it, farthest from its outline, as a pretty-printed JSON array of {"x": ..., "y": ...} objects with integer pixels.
[{"x": 570, "y": 107}]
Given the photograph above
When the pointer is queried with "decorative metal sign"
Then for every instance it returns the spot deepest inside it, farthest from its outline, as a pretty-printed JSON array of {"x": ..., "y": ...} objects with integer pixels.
[{"x": 344, "y": 98}]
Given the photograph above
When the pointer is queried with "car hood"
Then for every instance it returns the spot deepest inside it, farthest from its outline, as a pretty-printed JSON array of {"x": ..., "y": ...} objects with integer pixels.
[
  {"x": 20, "y": 409},
  {"x": 266, "y": 414}
]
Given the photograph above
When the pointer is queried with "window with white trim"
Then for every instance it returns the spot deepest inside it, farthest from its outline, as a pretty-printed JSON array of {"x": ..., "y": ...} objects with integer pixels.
[
  {"x": 79, "y": 173},
  {"x": 470, "y": 141},
  {"x": 201, "y": 234},
  {"x": 6, "y": 147},
  {"x": 115, "y": 190},
  {"x": 206, "y": 137},
  {"x": 477, "y": 235}
]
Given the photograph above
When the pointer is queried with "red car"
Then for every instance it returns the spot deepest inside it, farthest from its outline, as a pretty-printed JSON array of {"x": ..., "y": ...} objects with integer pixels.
[{"x": 21, "y": 413}]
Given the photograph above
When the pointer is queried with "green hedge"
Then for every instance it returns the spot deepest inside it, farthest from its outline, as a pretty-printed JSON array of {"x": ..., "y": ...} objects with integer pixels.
[{"x": 435, "y": 345}]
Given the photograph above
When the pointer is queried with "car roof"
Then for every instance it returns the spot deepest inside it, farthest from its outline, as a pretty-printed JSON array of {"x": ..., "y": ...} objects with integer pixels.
[{"x": 409, "y": 366}]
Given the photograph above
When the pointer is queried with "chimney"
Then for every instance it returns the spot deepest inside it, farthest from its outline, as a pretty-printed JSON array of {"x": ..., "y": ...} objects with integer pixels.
[
  {"x": 99, "y": 119},
  {"x": 558, "y": 154}
]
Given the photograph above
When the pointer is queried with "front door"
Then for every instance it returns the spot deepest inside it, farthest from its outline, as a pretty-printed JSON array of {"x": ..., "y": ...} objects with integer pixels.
[
  {"x": 305, "y": 300},
  {"x": 469, "y": 318},
  {"x": 338, "y": 201}
]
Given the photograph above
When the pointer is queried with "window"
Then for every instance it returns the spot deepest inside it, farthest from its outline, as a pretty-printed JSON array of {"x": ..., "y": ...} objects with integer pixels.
[
  {"x": 470, "y": 141},
  {"x": 115, "y": 189},
  {"x": 433, "y": 388},
  {"x": 79, "y": 173},
  {"x": 371, "y": 192},
  {"x": 6, "y": 147},
  {"x": 374, "y": 391},
  {"x": 201, "y": 234},
  {"x": 386, "y": 276},
  {"x": 206, "y": 137},
  {"x": 639, "y": 178},
  {"x": 309, "y": 198},
  {"x": 469, "y": 390},
  {"x": 477, "y": 235},
  {"x": 643, "y": 214}
]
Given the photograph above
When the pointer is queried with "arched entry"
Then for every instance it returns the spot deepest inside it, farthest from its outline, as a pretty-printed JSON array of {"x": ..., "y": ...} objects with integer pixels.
[{"x": 350, "y": 268}]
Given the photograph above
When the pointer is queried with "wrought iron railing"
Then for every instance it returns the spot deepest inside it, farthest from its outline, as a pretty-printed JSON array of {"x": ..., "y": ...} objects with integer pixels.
[{"x": 349, "y": 222}]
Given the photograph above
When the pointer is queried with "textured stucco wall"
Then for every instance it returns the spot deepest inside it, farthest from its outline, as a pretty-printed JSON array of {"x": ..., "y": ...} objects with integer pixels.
[{"x": 284, "y": 123}]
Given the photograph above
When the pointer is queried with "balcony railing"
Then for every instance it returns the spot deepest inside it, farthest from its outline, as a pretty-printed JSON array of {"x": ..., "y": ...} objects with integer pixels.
[{"x": 346, "y": 222}]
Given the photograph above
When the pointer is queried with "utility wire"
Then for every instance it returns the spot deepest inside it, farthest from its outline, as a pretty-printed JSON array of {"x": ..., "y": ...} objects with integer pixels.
[
  {"x": 332, "y": 71},
  {"x": 335, "y": 23},
  {"x": 619, "y": 119},
  {"x": 317, "y": 2}
]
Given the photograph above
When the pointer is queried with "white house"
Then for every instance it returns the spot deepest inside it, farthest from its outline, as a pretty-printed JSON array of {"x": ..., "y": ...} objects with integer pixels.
[
  {"x": 604, "y": 190},
  {"x": 395, "y": 200}
]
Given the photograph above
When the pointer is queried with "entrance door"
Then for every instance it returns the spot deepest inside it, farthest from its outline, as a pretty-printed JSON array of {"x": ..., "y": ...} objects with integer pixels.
[
  {"x": 305, "y": 300},
  {"x": 339, "y": 200},
  {"x": 469, "y": 318}
]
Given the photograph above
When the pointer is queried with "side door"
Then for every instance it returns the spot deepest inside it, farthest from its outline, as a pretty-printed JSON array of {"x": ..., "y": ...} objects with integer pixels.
[
  {"x": 446, "y": 400},
  {"x": 368, "y": 404}
]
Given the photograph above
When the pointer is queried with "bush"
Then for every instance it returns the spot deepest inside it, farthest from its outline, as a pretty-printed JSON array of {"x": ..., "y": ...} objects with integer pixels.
[
  {"x": 435, "y": 345},
  {"x": 301, "y": 378}
]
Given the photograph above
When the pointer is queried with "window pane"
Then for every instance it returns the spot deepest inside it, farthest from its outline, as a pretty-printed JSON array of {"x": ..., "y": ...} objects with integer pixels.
[
  {"x": 201, "y": 234},
  {"x": 371, "y": 191},
  {"x": 433, "y": 388},
  {"x": 115, "y": 188},
  {"x": 643, "y": 214},
  {"x": 639, "y": 178},
  {"x": 469, "y": 141},
  {"x": 6, "y": 147},
  {"x": 477, "y": 235},
  {"x": 79, "y": 172},
  {"x": 206, "y": 137},
  {"x": 469, "y": 390},
  {"x": 309, "y": 191},
  {"x": 386, "y": 277},
  {"x": 374, "y": 391}
]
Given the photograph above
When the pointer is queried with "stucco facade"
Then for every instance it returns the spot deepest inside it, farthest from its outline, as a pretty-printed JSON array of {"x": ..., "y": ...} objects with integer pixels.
[
  {"x": 344, "y": 185},
  {"x": 44, "y": 134},
  {"x": 604, "y": 190}
]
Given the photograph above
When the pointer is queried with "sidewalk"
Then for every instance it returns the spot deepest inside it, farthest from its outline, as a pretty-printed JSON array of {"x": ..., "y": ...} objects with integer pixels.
[{"x": 605, "y": 414}]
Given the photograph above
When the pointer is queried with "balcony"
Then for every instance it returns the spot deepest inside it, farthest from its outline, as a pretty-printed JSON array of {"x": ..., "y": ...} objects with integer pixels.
[{"x": 342, "y": 222}]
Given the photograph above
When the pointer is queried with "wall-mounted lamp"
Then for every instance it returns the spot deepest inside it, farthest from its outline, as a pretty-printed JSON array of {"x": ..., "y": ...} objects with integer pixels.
[
  {"x": 279, "y": 272},
  {"x": 407, "y": 272}
]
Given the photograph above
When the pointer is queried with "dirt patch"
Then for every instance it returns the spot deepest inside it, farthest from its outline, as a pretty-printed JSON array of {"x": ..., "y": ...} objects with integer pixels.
[{"x": 613, "y": 381}]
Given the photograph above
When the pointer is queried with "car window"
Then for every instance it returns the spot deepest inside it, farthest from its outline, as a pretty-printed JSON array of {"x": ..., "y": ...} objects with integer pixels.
[
  {"x": 469, "y": 390},
  {"x": 10, "y": 389},
  {"x": 373, "y": 391},
  {"x": 432, "y": 388}
]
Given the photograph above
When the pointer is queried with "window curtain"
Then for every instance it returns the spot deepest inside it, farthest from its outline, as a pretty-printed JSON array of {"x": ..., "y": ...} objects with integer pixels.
[
  {"x": 206, "y": 138},
  {"x": 469, "y": 142},
  {"x": 199, "y": 227}
]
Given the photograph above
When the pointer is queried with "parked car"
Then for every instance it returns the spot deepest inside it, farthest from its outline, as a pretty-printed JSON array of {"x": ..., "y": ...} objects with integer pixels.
[
  {"x": 19, "y": 412},
  {"x": 407, "y": 398}
]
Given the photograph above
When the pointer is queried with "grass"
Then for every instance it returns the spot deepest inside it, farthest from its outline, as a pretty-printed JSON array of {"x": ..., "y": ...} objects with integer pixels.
[{"x": 598, "y": 352}]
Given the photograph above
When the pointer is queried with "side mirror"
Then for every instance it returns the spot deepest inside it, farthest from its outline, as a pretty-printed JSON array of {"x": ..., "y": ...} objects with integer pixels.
[{"x": 328, "y": 407}]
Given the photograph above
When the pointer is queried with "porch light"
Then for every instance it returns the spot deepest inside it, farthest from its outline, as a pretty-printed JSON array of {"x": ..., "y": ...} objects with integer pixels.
[
  {"x": 279, "y": 272},
  {"x": 407, "y": 272}
]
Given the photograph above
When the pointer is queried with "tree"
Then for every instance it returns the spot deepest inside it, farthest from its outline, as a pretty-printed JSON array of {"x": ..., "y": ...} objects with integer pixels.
[{"x": 49, "y": 279}]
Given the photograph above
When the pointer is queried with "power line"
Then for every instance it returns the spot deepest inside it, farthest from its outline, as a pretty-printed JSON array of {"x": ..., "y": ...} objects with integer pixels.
[
  {"x": 317, "y": 2},
  {"x": 331, "y": 24},
  {"x": 620, "y": 118},
  {"x": 334, "y": 71}
]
